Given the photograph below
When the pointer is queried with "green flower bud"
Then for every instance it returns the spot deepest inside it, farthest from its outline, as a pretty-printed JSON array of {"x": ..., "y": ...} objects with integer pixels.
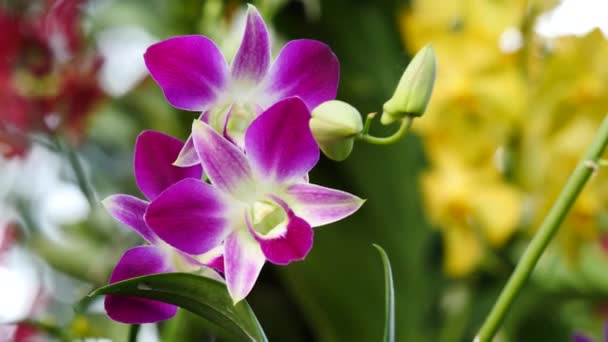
[
  {"x": 414, "y": 89},
  {"x": 335, "y": 124}
]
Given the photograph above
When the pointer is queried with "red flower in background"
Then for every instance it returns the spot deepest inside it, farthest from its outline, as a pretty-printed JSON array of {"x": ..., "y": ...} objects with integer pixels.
[
  {"x": 9, "y": 234},
  {"x": 48, "y": 78}
]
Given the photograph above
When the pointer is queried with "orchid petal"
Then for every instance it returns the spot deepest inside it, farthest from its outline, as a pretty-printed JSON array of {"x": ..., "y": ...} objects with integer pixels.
[
  {"x": 319, "y": 205},
  {"x": 253, "y": 57},
  {"x": 289, "y": 241},
  {"x": 139, "y": 261},
  {"x": 154, "y": 154},
  {"x": 213, "y": 258},
  {"x": 187, "y": 156},
  {"x": 217, "y": 263},
  {"x": 243, "y": 262},
  {"x": 129, "y": 211},
  {"x": 190, "y": 216},
  {"x": 279, "y": 142},
  {"x": 190, "y": 70},
  {"x": 224, "y": 163},
  {"x": 307, "y": 69}
]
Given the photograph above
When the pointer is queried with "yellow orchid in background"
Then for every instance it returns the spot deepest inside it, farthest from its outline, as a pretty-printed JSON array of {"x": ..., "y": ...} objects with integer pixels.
[
  {"x": 567, "y": 102},
  {"x": 511, "y": 115},
  {"x": 479, "y": 94},
  {"x": 475, "y": 111},
  {"x": 461, "y": 200}
]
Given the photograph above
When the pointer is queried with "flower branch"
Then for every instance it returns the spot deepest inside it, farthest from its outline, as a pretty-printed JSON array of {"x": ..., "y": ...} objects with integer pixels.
[{"x": 547, "y": 230}]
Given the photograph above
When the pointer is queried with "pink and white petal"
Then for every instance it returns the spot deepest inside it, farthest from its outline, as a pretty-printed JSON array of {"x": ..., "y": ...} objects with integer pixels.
[
  {"x": 136, "y": 262},
  {"x": 187, "y": 156},
  {"x": 129, "y": 211},
  {"x": 243, "y": 261},
  {"x": 217, "y": 264},
  {"x": 253, "y": 57},
  {"x": 190, "y": 216},
  {"x": 225, "y": 164},
  {"x": 290, "y": 241},
  {"x": 154, "y": 155},
  {"x": 191, "y": 70},
  {"x": 279, "y": 142},
  {"x": 213, "y": 258},
  {"x": 305, "y": 68},
  {"x": 184, "y": 262},
  {"x": 319, "y": 205}
]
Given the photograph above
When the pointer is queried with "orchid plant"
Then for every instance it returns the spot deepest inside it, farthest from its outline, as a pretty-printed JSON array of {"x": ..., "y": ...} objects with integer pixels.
[
  {"x": 237, "y": 193},
  {"x": 254, "y": 202}
]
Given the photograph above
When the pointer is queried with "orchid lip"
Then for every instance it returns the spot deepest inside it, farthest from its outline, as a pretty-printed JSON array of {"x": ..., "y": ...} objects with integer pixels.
[{"x": 267, "y": 218}]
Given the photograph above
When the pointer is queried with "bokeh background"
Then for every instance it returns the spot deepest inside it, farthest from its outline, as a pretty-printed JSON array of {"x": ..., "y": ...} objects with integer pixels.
[{"x": 520, "y": 91}]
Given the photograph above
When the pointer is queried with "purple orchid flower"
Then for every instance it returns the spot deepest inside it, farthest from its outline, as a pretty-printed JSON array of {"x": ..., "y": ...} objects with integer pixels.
[
  {"x": 194, "y": 75},
  {"x": 154, "y": 153},
  {"x": 259, "y": 204}
]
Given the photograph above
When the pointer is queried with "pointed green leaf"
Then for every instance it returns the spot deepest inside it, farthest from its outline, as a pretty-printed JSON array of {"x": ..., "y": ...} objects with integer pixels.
[
  {"x": 389, "y": 327},
  {"x": 202, "y": 296}
]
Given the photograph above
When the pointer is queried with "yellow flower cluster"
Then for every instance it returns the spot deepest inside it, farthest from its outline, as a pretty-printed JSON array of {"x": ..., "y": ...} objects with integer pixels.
[{"x": 510, "y": 116}]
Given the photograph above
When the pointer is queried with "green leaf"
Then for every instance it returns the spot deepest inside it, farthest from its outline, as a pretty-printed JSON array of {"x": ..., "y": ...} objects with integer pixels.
[
  {"x": 202, "y": 296},
  {"x": 389, "y": 296}
]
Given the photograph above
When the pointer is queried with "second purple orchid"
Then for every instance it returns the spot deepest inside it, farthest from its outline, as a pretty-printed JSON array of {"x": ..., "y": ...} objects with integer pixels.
[{"x": 259, "y": 205}]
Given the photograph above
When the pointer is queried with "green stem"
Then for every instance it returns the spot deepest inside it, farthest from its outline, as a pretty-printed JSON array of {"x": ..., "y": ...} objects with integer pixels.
[
  {"x": 546, "y": 231},
  {"x": 133, "y": 331},
  {"x": 81, "y": 177},
  {"x": 175, "y": 329},
  {"x": 406, "y": 123},
  {"x": 368, "y": 123}
]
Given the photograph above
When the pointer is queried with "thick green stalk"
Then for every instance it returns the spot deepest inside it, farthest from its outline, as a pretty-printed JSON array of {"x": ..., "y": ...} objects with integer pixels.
[{"x": 547, "y": 230}]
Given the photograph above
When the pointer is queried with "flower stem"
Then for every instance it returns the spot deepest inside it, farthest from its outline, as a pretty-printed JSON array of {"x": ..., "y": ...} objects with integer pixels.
[
  {"x": 368, "y": 123},
  {"x": 79, "y": 172},
  {"x": 546, "y": 231},
  {"x": 133, "y": 331},
  {"x": 406, "y": 123}
]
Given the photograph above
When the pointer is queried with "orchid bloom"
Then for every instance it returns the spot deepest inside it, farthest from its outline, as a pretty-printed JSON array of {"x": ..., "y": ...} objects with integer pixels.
[
  {"x": 259, "y": 204},
  {"x": 194, "y": 75},
  {"x": 154, "y": 154}
]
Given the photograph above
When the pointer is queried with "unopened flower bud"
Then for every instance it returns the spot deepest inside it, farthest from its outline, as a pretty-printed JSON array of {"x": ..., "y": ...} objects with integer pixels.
[
  {"x": 335, "y": 124},
  {"x": 414, "y": 89}
]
